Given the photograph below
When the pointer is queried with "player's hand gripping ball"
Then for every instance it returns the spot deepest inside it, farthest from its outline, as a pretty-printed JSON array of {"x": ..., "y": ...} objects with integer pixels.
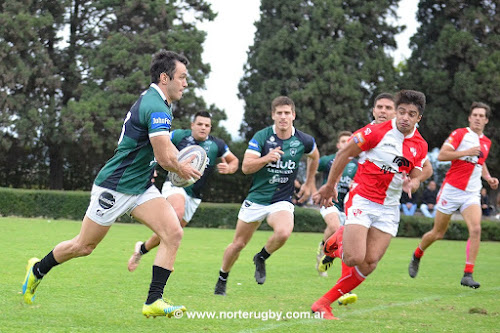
[{"x": 199, "y": 162}]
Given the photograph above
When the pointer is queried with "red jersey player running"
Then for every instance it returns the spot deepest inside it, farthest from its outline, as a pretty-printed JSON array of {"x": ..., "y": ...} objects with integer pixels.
[
  {"x": 468, "y": 149},
  {"x": 393, "y": 150}
]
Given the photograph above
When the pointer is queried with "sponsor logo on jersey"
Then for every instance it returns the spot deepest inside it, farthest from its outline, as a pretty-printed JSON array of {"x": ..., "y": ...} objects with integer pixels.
[
  {"x": 367, "y": 131},
  {"x": 160, "y": 120},
  {"x": 106, "y": 200},
  {"x": 280, "y": 164},
  {"x": 254, "y": 145},
  {"x": 388, "y": 169},
  {"x": 295, "y": 143},
  {"x": 247, "y": 203},
  {"x": 359, "y": 139},
  {"x": 293, "y": 151},
  {"x": 277, "y": 179},
  {"x": 471, "y": 159},
  {"x": 401, "y": 161},
  {"x": 413, "y": 150}
]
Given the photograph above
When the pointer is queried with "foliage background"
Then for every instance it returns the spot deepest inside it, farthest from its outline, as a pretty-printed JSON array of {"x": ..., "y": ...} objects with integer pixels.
[{"x": 69, "y": 71}]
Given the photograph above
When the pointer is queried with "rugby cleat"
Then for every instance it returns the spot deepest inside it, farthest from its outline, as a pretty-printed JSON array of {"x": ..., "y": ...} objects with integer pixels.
[
  {"x": 324, "y": 264},
  {"x": 319, "y": 256},
  {"x": 348, "y": 298},
  {"x": 161, "y": 307},
  {"x": 468, "y": 281},
  {"x": 413, "y": 267},
  {"x": 31, "y": 282},
  {"x": 324, "y": 309},
  {"x": 260, "y": 269},
  {"x": 135, "y": 259},
  {"x": 220, "y": 287},
  {"x": 334, "y": 242}
]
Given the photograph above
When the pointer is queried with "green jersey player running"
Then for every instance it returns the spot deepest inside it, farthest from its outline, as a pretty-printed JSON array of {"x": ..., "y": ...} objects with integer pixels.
[
  {"x": 272, "y": 157},
  {"x": 123, "y": 186}
]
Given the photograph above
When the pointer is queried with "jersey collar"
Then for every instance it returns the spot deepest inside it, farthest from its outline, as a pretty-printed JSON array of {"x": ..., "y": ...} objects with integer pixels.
[
  {"x": 293, "y": 130},
  {"x": 471, "y": 131},
  {"x": 158, "y": 90}
]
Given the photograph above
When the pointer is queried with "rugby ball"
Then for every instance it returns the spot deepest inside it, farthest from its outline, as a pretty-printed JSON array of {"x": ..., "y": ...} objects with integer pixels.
[{"x": 199, "y": 163}]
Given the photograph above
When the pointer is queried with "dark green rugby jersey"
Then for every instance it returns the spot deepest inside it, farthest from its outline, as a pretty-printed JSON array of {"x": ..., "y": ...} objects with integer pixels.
[
  {"x": 214, "y": 147},
  {"x": 274, "y": 182},
  {"x": 130, "y": 170},
  {"x": 325, "y": 164}
]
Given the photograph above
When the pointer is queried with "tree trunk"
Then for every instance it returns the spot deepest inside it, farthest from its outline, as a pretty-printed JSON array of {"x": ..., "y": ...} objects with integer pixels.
[{"x": 56, "y": 168}]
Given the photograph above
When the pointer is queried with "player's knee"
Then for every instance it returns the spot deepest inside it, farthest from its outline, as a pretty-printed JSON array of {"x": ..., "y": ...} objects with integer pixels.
[
  {"x": 176, "y": 234},
  {"x": 238, "y": 245},
  {"x": 352, "y": 259},
  {"x": 475, "y": 231},
  {"x": 282, "y": 234},
  {"x": 82, "y": 250}
]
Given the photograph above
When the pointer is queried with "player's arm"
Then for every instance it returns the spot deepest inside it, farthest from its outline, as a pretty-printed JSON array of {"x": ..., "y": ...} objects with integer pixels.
[
  {"x": 448, "y": 152},
  {"x": 253, "y": 162},
  {"x": 427, "y": 171},
  {"x": 328, "y": 191},
  {"x": 411, "y": 183},
  {"x": 492, "y": 181},
  {"x": 166, "y": 155},
  {"x": 309, "y": 185},
  {"x": 229, "y": 164}
]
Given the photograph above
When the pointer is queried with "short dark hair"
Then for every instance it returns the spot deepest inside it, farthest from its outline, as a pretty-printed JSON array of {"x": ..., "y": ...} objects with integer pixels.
[
  {"x": 477, "y": 105},
  {"x": 165, "y": 62},
  {"x": 382, "y": 96},
  {"x": 411, "y": 97},
  {"x": 204, "y": 114},
  {"x": 343, "y": 133},
  {"x": 282, "y": 100}
]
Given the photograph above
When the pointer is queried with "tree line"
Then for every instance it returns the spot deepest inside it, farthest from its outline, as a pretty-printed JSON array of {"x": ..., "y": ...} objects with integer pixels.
[{"x": 70, "y": 71}]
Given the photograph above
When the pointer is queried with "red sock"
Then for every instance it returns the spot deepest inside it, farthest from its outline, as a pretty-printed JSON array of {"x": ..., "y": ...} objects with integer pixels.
[
  {"x": 346, "y": 270},
  {"x": 469, "y": 268},
  {"x": 344, "y": 285},
  {"x": 418, "y": 253}
]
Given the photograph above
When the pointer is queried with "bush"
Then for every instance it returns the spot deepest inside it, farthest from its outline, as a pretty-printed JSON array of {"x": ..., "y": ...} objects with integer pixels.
[{"x": 72, "y": 205}]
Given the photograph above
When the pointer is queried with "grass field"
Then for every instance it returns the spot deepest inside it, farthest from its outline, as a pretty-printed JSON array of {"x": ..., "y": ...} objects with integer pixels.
[{"x": 98, "y": 294}]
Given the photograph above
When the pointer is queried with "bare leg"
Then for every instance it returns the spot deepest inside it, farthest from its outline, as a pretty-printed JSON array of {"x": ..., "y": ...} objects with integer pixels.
[
  {"x": 332, "y": 221},
  {"x": 160, "y": 217},
  {"x": 377, "y": 243},
  {"x": 83, "y": 244},
  {"x": 441, "y": 222},
  {"x": 282, "y": 224},
  {"x": 243, "y": 234},
  {"x": 472, "y": 216}
]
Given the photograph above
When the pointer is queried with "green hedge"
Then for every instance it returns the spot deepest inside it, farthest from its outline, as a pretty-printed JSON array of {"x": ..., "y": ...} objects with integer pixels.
[{"x": 72, "y": 205}]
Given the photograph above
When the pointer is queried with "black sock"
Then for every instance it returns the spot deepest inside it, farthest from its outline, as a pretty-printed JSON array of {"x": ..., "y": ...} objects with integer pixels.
[
  {"x": 264, "y": 254},
  {"x": 322, "y": 243},
  {"x": 143, "y": 249},
  {"x": 223, "y": 276},
  {"x": 45, "y": 265},
  {"x": 158, "y": 282}
]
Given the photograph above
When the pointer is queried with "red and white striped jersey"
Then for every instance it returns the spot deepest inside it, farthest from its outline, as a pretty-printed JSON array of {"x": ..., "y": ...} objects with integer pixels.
[
  {"x": 387, "y": 154},
  {"x": 465, "y": 172}
]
